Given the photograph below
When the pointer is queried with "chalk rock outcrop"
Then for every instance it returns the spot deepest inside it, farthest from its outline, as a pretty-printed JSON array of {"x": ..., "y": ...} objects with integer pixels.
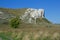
[{"x": 32, "y": 14}]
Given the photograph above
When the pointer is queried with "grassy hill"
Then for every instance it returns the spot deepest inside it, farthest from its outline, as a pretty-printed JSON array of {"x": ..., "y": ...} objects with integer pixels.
[
  {"x": 21, "y": 12},
  {"x": 26, "y": 31},
  {"x": 13, "y": 11},
  {"x": 43, "y": 20}
]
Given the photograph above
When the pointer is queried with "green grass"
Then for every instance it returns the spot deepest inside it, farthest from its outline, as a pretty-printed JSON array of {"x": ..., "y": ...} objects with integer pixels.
[
  {"x": 20, "y": 36},
  {"x": 4, "y": 37}
]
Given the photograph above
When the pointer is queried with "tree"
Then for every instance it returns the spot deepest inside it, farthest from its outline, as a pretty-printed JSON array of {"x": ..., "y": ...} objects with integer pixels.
[{"x": 14, "y": 22}]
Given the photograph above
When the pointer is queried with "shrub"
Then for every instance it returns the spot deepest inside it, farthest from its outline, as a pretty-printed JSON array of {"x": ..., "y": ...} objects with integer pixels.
[{"x": 14, "y": 22}]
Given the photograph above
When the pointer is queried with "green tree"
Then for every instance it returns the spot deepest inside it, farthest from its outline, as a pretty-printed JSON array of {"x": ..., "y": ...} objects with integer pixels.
[{"x": 14, "y": 22}]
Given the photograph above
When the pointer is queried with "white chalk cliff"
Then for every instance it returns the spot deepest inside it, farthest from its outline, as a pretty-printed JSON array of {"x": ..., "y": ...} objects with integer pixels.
[{"x": 32, "y": 14}]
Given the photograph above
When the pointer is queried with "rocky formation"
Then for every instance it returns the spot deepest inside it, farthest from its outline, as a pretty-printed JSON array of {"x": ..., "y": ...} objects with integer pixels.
[
  {"x": 5, "y": 16},
  {"x": 27, "y": 15},
  {"x": 31, "y": 15}
]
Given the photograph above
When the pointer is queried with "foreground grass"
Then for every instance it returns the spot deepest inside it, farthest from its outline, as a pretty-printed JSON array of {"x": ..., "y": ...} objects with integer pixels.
[
  {"x": 29, "y": 36},
  {"x": 30, "y": 32}
]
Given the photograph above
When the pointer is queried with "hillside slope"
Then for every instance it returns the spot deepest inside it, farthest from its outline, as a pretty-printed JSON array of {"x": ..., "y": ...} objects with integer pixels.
[
  {"x": 8, "y": 13},
  {"x": 13, "y": 11}
]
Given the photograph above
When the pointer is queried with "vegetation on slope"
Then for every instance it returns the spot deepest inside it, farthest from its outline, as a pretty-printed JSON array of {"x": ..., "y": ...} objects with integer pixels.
[
  {"x": 29, "y": 31},
  {"x": 43, "y": 20},
  {"x": 14, "y": 22},
  {"x": 20, "y": 12},
  {"x": 13, "y": 11}
]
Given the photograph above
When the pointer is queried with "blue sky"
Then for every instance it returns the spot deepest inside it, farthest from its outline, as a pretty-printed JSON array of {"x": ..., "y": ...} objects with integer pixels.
[{"x": 51, "y": 7}]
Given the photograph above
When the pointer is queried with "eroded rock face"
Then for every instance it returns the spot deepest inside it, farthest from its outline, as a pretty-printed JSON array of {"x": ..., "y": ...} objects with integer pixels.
[
  {"x": 4, "y": 17},
  {"x": 31, "y": 15}
]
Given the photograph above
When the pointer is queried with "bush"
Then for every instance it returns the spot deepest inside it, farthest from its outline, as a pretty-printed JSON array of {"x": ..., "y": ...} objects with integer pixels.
[{"x": 14, "y": 22}]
